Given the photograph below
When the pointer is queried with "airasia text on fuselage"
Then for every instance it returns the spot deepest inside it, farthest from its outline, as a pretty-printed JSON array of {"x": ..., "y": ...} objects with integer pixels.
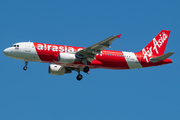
[
  {"x": 60, "y": 48},
  {"x": 56, "y": 48}
]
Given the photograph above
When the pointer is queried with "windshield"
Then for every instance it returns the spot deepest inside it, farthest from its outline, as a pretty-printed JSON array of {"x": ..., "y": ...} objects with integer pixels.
[{"x": 15, "y": 46}]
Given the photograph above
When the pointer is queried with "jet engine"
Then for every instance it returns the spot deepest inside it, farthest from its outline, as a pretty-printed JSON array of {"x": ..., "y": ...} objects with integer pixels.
[
  {"x": 58, "y": 70},
  {"x": 66, "y": 58}
]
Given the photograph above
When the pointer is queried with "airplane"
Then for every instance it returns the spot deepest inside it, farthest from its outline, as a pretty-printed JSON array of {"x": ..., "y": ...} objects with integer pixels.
[{"x": 64, "y": 59}]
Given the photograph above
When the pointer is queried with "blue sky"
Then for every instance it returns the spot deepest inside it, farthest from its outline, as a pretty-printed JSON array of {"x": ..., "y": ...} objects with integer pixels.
[{"x": 148, "y": 93}]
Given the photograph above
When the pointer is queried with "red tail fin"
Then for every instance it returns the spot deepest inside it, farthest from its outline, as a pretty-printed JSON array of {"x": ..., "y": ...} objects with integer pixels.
[{"x": 157, "y": 46}]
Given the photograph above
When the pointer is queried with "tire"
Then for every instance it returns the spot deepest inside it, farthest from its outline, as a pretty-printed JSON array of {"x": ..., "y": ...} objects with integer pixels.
[
  {"x": 25, "y": 68},
  {"x": 86, "y": 69},
  {"x": 79, "y": 77}
]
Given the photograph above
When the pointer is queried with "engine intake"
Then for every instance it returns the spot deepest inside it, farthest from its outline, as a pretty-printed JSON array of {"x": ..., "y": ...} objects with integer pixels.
[
  {"x": 66, "y": 58},
  {"x": 58, "y": 70}
]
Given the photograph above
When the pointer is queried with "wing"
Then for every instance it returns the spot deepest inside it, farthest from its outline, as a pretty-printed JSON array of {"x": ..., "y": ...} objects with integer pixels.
[{"x": 90, "y": 52}]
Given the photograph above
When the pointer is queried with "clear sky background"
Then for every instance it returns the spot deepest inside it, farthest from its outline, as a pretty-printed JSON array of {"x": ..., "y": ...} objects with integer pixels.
[{"x": 140, "y": 94}]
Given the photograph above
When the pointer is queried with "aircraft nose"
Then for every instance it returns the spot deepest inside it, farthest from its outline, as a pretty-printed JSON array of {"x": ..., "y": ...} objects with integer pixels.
[{"x": 6, "y": 52}]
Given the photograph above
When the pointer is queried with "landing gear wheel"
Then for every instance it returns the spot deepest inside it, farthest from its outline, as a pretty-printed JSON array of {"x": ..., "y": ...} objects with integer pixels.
[
  {"x": 79, "y": 77},
  {"x": 25, "y": 68},
  {"x": 86, "y": 69}
]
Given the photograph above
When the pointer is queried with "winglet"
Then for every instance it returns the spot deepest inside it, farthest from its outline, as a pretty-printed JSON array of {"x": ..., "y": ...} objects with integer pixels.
[{"x": 119, "y": 35}]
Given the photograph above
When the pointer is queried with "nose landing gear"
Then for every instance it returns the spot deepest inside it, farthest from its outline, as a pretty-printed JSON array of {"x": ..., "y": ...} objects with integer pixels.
[{"x": 25, "y": 67}]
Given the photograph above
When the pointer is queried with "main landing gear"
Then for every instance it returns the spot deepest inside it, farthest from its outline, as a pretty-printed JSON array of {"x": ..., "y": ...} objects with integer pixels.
[
  {"x": 79, "y": 76},
  {"x": 25, "y": 67},
  {"x": 86, "y": 69}
]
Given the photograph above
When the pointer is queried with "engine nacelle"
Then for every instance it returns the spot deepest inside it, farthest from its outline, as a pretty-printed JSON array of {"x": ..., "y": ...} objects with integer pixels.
[
  {"x": 58, "y": 70},
  {"x": 66, "y": 58}
]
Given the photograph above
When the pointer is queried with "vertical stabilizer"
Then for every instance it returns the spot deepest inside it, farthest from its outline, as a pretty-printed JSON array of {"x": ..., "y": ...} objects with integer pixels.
[{"x": 157, "y": 46}]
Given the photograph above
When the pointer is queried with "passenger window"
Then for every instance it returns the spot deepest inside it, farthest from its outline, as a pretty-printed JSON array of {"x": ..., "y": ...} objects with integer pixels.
[{"x": 17, "y": 45}]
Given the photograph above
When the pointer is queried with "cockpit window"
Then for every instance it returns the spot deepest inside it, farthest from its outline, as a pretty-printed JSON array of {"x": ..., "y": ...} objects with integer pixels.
[{"x": 15, "y": 46}]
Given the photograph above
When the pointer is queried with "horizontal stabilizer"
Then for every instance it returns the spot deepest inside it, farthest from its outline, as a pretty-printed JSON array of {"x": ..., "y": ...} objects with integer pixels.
[{"x": 161, "y": 57}]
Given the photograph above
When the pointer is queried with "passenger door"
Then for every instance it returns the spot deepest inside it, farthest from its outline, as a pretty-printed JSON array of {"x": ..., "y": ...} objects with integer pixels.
[{"x": 27, "y": 47}]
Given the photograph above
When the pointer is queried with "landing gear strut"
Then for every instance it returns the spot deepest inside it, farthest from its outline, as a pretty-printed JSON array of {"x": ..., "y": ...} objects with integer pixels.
[
  {"x": 86, "y": 68},
  {"x": 25, "y": 67},
  {"x": 79, "y": 76}
]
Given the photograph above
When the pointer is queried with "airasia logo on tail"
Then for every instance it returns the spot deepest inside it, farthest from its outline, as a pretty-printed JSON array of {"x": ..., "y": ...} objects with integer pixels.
[
  {"x": 160, "y": 42},
  {"x": 155, "y": 47}
]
